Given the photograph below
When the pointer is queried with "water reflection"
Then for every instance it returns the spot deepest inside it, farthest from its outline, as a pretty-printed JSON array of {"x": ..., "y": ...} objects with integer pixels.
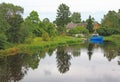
[
  {"x": 111, "y": 51},
  {"x": 15, "y": 67},
  {"x": 63, "y": 59},
  {"x": 90, "y": 50},
  {"x": 12, "y": 68}
]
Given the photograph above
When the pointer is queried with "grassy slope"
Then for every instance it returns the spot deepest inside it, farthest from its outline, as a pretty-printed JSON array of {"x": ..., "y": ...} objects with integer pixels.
[
  {"x": 38, "y": 43},
  {"x": 59, "y": 40},
  {"x": 113, "y": 38}
]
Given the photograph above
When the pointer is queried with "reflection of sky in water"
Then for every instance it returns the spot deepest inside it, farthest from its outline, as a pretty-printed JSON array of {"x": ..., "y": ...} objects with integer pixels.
[{"x": 98, "y": 69}]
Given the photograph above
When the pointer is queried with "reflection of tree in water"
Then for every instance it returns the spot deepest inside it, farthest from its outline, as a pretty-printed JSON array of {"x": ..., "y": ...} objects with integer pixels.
[
  {"x": 119, "y": 56},
  {"x": 74, "y": 50},
  {"x": 111, "y": 51},
  {"x": 13, "y": 68},
  {"x": 1, "y": 44},
  {"x": 90, "y": 49},
  {"x": 50, "y": 51},
  {"x": 63, "y": 60},
  {"x": 76, "y": 53}
]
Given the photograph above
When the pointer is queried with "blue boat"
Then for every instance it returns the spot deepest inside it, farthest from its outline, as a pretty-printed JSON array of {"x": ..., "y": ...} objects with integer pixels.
[{"x": 96, "y": 38}]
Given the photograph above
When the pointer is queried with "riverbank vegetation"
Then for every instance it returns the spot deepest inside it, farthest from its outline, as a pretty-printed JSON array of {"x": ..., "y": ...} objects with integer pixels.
[
  {"x": 113, "y": 38},
  {"x": 17, "y": 32}
]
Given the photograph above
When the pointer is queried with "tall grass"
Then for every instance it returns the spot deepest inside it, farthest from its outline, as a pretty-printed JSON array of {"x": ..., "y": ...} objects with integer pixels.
[
  {"x": 38, "y": 43},
  {"x": 113, "y": 38}
]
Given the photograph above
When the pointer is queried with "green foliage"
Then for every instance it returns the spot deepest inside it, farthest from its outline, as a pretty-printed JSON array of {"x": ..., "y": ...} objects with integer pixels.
[
  {"x": 78, "y": 30},
  {"x": 90, "y": 25},
  {"x": 111, "y": 20},
  {"x": 62, "y": 19},
  {"x": 32, "y": 23},
  {"x": 110, "y": 24},
  {"x": 107, "y": 31},
  {"x": 61, "y": 30},
  {"x": 113, "y": 38},
  {"x": 76, "y": 17},
  {"x": 4, "y": 26},
  {"x": 47, "y": 27},
  {"x": 3, "y": 39},
  {"x": 13, "y": 32},
  {"x": 8, "y": 10},
  {"x": 28, "y": 40},
  {"x": 45, "y": 36},
  {"x": 10, "y": 21},
  {"x": 46, "y": 20},
  {"x": 37, "y": 40},
  {"x": 50, "y": 29},
  {"x": 33, "y": 17}
]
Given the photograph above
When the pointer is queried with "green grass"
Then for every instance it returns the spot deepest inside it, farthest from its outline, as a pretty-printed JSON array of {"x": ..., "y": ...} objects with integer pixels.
[
  {"x": 38, "y": 43},
  {"x": 113, "y": 38}
]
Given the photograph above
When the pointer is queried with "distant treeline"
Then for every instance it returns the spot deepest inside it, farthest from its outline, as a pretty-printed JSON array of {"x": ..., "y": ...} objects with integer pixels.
[{"x": 15, "y": 29}]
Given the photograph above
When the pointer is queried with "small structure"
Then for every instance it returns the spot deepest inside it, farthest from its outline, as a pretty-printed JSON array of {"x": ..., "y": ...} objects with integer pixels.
[
  {"x": 96, "y": 25},
  {"x": 96, "y": 38},
  {"x": 73, "y": 25}
]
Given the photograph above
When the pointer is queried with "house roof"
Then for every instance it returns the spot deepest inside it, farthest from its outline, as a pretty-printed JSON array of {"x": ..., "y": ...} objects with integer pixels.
[{"x": 72, "y": 25}]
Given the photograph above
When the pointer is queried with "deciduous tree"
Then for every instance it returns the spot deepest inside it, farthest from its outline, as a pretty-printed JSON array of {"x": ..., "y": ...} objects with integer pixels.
[
  {"x": 76, "y": 17},
  {"x": 62, "y": 18}
]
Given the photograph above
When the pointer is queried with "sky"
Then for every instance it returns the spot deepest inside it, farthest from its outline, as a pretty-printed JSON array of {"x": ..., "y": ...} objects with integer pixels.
[{"x": 48, "y": 8}]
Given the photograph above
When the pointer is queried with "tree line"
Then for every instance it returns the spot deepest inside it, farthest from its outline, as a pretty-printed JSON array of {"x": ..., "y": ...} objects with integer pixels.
[{"x": 15, "y": 29}]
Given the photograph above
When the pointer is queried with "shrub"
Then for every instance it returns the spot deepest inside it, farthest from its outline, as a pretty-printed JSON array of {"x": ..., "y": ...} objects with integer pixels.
[
  {"x": 2, "y": 40},
  {"x": 78, "y": 30},
  {"x": 105, "y": 31},
  {"x": 45, "y": 36}
]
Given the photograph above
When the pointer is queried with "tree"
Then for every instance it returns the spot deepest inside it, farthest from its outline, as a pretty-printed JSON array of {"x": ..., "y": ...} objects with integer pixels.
[
  {"x": 46, "y": 20},
  {"x": 62, "y": 19},
  {"x": 76, "y": 17},
  {"x": 111, "y": 20},
  {"x": 50, "y": 29},
  {"x": 110, "y": 24},
  {"x": 13, "y": 32},
  {"x": 90, "y": 25},
  {"x": 32, "y": 24},
  {"x": 105, "y": 31},
  {"x": 3, "y": 28},
  {"x": 3, "y": 24},
  {"x": 8, "y": 10},
  {"x": 3, "y": 39},
  {"x": 78, "y": 30},
  {"x": 34, "y": 17},
  {"x": 11, "y": 19}
]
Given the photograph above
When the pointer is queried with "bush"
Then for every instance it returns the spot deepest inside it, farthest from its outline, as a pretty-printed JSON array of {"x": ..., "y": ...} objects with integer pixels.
[
  {"x": 78, "y": 30},
  {"x": 3, "y": 40},
  {"x": 105, "y": 31},
  {"x": 45, "y": 36}
]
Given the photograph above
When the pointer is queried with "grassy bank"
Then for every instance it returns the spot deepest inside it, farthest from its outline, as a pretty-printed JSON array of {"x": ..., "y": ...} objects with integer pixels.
[
  {"x": 56, "y": 41},
  {"x": 37, "y": 44},
  {"x": 113, "y": 38}
]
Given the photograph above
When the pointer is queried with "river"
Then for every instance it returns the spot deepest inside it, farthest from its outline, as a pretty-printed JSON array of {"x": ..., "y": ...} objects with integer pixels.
[{"x": 87, "y": 62}]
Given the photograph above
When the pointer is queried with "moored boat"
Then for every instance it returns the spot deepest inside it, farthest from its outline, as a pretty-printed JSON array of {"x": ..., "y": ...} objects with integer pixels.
[{"x": 96, "y": 37}]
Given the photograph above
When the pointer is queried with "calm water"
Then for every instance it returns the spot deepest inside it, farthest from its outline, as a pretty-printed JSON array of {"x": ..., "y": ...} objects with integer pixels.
[{"x": 87, "y": 62}]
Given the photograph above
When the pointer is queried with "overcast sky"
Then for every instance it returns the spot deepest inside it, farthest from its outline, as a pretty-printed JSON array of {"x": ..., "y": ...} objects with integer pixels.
[{"x": 48, "y": 8}]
